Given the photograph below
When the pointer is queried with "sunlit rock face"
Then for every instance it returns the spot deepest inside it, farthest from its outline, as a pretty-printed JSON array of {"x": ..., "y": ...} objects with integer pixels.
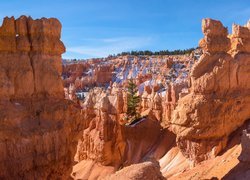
[
  {"x": 201, "y": 99},
  {"x": 219, "y": 98},
  {"x": 108, "y": 144},
  {"x": 38, "y": 127},
  {"x": 215, "y": 36},
  {"x": 30, "y": 57}
]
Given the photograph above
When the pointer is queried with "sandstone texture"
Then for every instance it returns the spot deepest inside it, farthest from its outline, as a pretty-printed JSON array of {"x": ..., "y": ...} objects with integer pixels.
[
  {"x": 30, "y": 58},
  {"x": 38, "y": 127},
  {"x": 240, "y": 40},
  {"x": 219, "y": 99},
  {"x": 146, "y": 170},
  {"x": 109, "y": 144},
  {"x": 191, "y": 106},
  {"x": 215, "y": 39}
]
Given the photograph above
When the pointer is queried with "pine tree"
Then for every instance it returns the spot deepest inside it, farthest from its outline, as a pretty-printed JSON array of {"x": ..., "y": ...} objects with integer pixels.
[{"x": 132, "y": 101}]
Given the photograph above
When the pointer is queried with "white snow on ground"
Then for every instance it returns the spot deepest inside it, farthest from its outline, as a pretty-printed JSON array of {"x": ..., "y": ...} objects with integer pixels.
[
  {"x": 139, "y": 66},
  {"x": 141, "y": 88},
  {"x": 184, "y": 90},
  {"x": 163, "y": 93},
  {"x": 141, "y": 120},
  {"x": 144, "y": 71}
]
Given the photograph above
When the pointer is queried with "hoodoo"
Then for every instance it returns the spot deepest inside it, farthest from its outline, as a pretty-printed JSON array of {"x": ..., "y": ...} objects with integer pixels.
[
  {"x": 188, "y": 120},
  {"x": 219, "y": 98},
  {"x": 38, "y": 127},
  {"x": 187, "y": 111}
]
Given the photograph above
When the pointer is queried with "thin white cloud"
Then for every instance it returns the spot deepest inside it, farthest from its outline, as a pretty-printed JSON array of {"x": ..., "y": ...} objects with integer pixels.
[{"x": 111, "y": 46}]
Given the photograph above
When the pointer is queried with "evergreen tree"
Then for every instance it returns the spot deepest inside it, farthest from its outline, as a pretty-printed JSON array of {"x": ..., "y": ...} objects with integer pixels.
[{"x": 132, "y": 101}]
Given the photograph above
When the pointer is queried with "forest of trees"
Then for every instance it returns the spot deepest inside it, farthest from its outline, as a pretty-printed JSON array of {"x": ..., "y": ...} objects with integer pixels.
[{"x": 163, "y": 52}]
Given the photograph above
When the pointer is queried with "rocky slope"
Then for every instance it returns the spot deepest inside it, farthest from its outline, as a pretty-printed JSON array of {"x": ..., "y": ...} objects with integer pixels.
[
  {"x": 38, "y": 127},
  {"x": 151, "y": 72}
]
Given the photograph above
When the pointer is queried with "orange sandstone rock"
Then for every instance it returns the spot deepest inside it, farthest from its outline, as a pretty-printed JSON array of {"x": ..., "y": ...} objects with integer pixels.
[
  {"x": 146, "y": 170},
  {"x": 109, "y": 143},
  {"x": 39, "y": 129},
  {"x": 30, "y": 55},
  {"x": 215, "y": 39},
  {"x": 240, "y": 39},
  {"x": 219, "y": 99}
]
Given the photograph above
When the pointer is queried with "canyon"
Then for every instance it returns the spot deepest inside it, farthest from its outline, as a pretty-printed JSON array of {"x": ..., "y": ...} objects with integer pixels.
[{"x": 66, "y": 119}]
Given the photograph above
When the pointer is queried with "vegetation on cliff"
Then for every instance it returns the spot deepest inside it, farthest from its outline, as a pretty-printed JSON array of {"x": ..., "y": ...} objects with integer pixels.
[
  {"x": 162, "y": 52},
  {"x": 133, "y": 101}
]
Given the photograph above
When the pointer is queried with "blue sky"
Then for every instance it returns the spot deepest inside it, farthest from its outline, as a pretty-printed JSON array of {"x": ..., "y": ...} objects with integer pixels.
[{"x": 96, "y": 28}]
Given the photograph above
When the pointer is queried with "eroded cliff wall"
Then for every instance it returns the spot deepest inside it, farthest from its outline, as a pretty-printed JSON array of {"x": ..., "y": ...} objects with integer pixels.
[
  {"x": 38, "y": 128},
  {"x": 219, "y": 98}
]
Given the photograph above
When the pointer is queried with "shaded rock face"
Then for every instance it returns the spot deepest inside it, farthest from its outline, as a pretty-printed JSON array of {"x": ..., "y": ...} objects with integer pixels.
[
  {"x": 245, "y": 144},
  {"x": 219, "y": 98},
  {"x": 38, "y": 134}
]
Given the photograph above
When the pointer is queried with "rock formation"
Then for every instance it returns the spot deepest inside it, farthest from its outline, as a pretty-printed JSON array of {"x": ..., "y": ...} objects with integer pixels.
[
  {"x": 245, "y": 144},
  {"x": 102, "y": 140},
  {"x": 219, "y": 99},
  {"x": 146, "y": 170},
  {"x": 201, "y": 99},
  {"x": 39, "y": 129},
  {"x": 113, "y": 145},
  {"x": 241, "y": 169},
  {"x": 151, "y": 73},
  {"x": 215, "y": 39},
  {"x": 86, "y": 74},
  {"x": 240, "y": 39},
  {"x": 24, "y": 42}
]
